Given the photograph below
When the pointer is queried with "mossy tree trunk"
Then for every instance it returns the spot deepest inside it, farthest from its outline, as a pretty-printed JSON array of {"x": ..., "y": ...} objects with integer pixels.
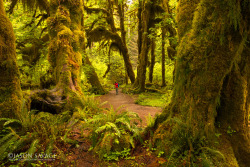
[
  {"x": 10, "y": 90},
  {"x": 212, "y": 75},
  {"x": 163, "y": 80},
  {"x": 66, "y": 37},
  {"x": 92, "y": 76},
  {"x": 152, "y": 62},
  {"x": 89, "y": 70},
  {"x": 143, "y": 57},
  {"x": 64, "y": 49},
  {"x": 101, "y": 33},
  {"x": 234, "y": 107}
]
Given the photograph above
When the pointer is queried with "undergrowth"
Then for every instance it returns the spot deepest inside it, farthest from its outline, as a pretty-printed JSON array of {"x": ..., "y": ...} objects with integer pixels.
[
  {"x": 154, "y": 99},
  {"x": 113, "y": 134},
  {"x": 184, "y": 149},
  {"x": 34, "y": 134}
]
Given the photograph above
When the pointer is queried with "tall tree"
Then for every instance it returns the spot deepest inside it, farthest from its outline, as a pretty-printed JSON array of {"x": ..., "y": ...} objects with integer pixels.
[
  {"x": 212, "y": 77},
  {"x": 152, "y": 62},
  {"x": 146, "y": 19},
  {"x": 10, "y": 90},
  {"x": 88, "y": 68},
  {"x": 163, "y": 80},
  {"x": 99, "y": 32},
  {"x": 64, "y": 53}
]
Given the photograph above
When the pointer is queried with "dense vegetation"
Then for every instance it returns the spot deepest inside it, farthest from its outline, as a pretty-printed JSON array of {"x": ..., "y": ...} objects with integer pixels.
[{"x": 191, "y": 58}]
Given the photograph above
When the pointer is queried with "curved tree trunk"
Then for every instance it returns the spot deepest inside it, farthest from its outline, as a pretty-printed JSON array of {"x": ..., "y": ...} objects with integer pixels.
[
  {"x": 128, "y": 65},
  {"x": 212, "y": 74},
  {"x": 89, "y": 70},
  {"x": 10, "y": 90}
]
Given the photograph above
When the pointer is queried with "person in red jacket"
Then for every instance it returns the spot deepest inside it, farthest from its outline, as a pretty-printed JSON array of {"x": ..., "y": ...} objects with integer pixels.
[{"x": 116, "y": 87}]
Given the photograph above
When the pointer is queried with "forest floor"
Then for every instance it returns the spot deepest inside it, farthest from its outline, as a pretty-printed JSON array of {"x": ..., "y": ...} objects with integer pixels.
[
  {"x": 123, "y": 102},
  {"x": 140, "y": 156}
]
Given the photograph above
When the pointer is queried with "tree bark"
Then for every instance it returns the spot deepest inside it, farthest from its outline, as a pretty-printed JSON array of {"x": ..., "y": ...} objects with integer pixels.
[
  {"x": 64, "y": 49},
  {"x": 92, "y": 76},
  {"x": 234, "y": 107},
  {"x": 163, "y": 80},
  {"x": 152, "y": 62},
  {"x": 101, "y": 33},
  {"x": 143, "y": 57},
  {"x": 66, "y": 37},
  {"x": 212, "y": 75},
  {"x": 89, "y": 70},
  {"x": 10, "y": 90}
]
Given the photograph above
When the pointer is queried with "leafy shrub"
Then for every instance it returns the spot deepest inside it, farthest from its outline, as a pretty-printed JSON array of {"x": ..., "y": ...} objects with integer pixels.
[
  {"x": 113, "y": 134},
  {"x": 34, "y": 133}
]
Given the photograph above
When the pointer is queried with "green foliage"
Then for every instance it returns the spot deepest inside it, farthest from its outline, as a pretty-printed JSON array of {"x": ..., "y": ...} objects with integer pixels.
[
  {"x": 185, "y": 149},
  {"x": 113, "y": 134},
  {"x": 153, "y": 99},
  {"x": 34, "y": 133},
  {"x": 32, "y": 61},
  {"x": 230, "y": 131}
]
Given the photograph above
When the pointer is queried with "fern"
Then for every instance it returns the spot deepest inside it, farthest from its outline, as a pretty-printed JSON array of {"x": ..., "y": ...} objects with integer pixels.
[
  {"x": 112, "y": 132},
  {"x": 33, "y": 147},
  {"x": 4, "y": 148}
]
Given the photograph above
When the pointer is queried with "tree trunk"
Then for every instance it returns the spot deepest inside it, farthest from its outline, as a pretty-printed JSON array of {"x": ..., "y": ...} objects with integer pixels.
[
  {"x": 139, "y": 14},
  {"x": 152, "y": 63},
  {"x": 64, "y": 50},
  {"x": 212, "y": 76},
  {"x": 89, "y": 70},
  {"x": 163, "y": 58},
  {"x": 92, "y": 77},
  {"x": 125, "y": 54},
  {"x": 66, "y": 37},
  {"x": 234, "y": 107},
  {"x": 143, "y": 57},
  {"x": 10, "y": 90}
]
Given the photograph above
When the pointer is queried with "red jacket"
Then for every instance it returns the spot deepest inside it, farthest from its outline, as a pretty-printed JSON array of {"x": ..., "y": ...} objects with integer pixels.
[{"x": 116, "y": 85}]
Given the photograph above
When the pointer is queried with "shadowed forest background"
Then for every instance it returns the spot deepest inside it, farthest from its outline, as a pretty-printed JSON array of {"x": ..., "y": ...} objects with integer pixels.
[{"x": 183, "y": 73}]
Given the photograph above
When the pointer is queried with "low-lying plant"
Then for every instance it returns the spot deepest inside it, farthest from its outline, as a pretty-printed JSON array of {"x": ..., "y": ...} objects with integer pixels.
[
  {"x": 113, "y": 134},
  {"x": 34, "y": 134}
]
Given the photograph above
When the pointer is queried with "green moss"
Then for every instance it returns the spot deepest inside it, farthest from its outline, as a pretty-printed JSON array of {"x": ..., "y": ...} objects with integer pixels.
[{"x": 10, "y": 91}]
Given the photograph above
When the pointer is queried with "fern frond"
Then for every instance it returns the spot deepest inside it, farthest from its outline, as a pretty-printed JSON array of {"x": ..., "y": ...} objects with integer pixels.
[
  {"x": 5, "y": 147},
  {"x": 9, "y": 122},
  {"x": 131, "y": 141},
  {"x": 49, "y": 148},
  {"x": 124, "y": 121},
  {"x": 21, "y": 142},
  {"x": 8, "y": 136},
  {"x": 33, "y": 147},
  {"x": 118, "y": 133},
  {"x": 102, "y": 128},
  {"x": 214, "y": 152}
]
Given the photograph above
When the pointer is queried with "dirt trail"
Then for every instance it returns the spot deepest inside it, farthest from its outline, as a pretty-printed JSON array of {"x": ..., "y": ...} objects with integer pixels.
[{"x": 127, "y": 103}]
